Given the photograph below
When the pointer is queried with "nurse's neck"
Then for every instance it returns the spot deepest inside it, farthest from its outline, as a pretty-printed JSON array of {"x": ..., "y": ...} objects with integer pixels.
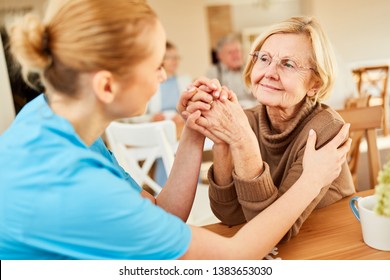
[{"x": 83, "y": 112}]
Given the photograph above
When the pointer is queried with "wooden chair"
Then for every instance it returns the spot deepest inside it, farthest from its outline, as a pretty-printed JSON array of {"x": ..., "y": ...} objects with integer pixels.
[
  {"x": 372, "y": 80},
  {"x": 365, "y": 120},
  {"x": 356, "y": 136}
]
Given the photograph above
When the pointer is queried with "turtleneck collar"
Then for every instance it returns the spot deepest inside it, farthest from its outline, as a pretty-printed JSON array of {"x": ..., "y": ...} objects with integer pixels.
[{"x": 278, "y": 140}]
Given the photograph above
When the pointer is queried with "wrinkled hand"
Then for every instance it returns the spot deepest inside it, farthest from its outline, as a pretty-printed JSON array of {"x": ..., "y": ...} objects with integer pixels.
[
  {"x": 224, "y": 122},
  {"x": 324, "y": 165},
  {"x": 211, "y": 85},
  {"x": 203, "y": 99},
  {"x": 198, "y": 99},
  {"x": 201, "y": 93}
]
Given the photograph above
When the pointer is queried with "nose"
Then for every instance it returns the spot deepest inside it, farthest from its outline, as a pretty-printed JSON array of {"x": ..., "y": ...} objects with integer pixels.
[{"x": 272, "y": 69}]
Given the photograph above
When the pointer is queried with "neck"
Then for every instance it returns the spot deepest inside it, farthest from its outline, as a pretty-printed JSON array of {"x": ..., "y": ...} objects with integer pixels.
[
  {"x": 281, "y": 118},
  {"x": 83, "y": 113}
]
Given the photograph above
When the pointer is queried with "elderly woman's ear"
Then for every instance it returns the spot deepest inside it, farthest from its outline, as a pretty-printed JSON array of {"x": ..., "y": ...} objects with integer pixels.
[{"x": 315, "y": 87}]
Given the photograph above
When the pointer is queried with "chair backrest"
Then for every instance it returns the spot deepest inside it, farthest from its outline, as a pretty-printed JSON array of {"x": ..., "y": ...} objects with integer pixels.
[
  {"x": 372, "y": 80},
  {"x": 366, "y": 120},
  {"x": 356, "y": 136},
  {"x": 358, "y": 102},
  {"x": 138, "y": 145}
]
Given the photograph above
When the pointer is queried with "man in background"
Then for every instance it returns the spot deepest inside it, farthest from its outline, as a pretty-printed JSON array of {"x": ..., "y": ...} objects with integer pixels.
[{"x": 228, "y": 69}]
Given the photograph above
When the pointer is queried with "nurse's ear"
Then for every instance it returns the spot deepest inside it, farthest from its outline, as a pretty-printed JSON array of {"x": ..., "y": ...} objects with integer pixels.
[{"x": 104, "y": 86}]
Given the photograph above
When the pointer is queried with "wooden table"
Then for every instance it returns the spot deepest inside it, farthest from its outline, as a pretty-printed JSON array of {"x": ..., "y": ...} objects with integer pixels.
[{"x": 330, "y": 233}]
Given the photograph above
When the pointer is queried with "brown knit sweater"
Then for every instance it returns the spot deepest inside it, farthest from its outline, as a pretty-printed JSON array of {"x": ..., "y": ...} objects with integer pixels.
[{"x": 282, "y": 154}]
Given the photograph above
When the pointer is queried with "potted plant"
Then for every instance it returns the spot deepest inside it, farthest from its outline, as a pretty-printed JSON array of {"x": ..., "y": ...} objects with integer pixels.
[{"x": 382, "y": 192}]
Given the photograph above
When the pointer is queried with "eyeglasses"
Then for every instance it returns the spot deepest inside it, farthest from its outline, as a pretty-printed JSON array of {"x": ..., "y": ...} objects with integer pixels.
[{"x": 262, "y": 60}]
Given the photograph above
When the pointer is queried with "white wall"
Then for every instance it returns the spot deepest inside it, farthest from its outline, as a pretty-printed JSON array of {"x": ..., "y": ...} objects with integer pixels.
[
  {"x": 250, "y": 15},
  {"x": 186, "y": 26},
  {"x": 19, "y": 6},
  {"x": 359, "y": 29},
  {"x": 7, "y": 111},
  {"x": 20, "y": 3}
]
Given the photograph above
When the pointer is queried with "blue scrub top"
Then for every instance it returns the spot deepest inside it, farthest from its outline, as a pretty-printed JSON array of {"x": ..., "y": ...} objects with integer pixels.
[
  {"x": 60, "y": 199},
  {"x": 170, "y": 94}
]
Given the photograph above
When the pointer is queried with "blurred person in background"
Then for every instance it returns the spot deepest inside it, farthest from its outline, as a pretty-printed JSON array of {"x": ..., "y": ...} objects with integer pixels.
[
  {"x": 163, "y": 104},
  {"x": 229, "y": 68}
]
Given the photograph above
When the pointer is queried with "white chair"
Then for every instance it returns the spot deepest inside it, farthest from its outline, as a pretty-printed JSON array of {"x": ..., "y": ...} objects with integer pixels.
[
  {"x": 133, "y": 143},
  {"x": 201, "y": 213},
  {"x": 138, "y": 145}
]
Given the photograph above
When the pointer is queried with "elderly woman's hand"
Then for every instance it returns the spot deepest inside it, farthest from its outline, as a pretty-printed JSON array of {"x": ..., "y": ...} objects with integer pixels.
[
  {"x": 236, "y": 145},
  {"x": 200, "y": 103},
  {"x": 201, "y": 93},
  {"x": 226, "y": 121}
]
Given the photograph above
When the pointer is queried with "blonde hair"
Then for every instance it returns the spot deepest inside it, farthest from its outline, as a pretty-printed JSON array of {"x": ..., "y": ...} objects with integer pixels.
[
  {"x": 323, "y": 56},
  {"x": 83, "y": 36}
]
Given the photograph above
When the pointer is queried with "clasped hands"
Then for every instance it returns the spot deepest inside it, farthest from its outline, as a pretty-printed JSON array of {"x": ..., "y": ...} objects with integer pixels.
[{"x": 212, "y": 110}]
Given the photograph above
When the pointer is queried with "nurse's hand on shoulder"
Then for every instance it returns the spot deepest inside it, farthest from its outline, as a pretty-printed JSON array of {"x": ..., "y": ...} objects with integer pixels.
[{"x": 324, "y": 165}]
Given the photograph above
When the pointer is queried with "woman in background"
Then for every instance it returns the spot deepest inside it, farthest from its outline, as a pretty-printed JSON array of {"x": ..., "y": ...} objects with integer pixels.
[{"x": 162, "y": 105}]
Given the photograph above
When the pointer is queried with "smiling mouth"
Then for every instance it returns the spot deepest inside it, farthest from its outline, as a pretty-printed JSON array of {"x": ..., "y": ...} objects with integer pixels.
[{"x": 268, "y": 86}]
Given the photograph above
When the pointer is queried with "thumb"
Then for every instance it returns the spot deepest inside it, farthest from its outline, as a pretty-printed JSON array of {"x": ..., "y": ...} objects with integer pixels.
[{"x": 311, "y": 140}]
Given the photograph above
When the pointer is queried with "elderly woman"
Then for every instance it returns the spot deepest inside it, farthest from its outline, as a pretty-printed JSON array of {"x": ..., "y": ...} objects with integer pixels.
[{"x": 290, "y": 70}]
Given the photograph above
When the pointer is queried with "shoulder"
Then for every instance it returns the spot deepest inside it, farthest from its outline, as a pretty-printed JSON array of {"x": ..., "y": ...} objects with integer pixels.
[
  {"x": 326, "y": 122},
  {"x": 327, "y": 114},
  {"x": 324, "y": 118}
]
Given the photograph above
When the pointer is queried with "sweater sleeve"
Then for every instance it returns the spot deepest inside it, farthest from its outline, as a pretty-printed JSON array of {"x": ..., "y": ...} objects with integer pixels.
[
  {"x": 224, "y": 202},
  {"x": 257, "y": 194},
  {"x": 241, "y": 200}
]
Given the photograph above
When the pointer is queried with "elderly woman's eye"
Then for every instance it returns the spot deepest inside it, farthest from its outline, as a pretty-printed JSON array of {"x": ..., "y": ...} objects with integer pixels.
[
  {"x": 289, "y": 64},
  {"x": 265, "y": 58}
]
